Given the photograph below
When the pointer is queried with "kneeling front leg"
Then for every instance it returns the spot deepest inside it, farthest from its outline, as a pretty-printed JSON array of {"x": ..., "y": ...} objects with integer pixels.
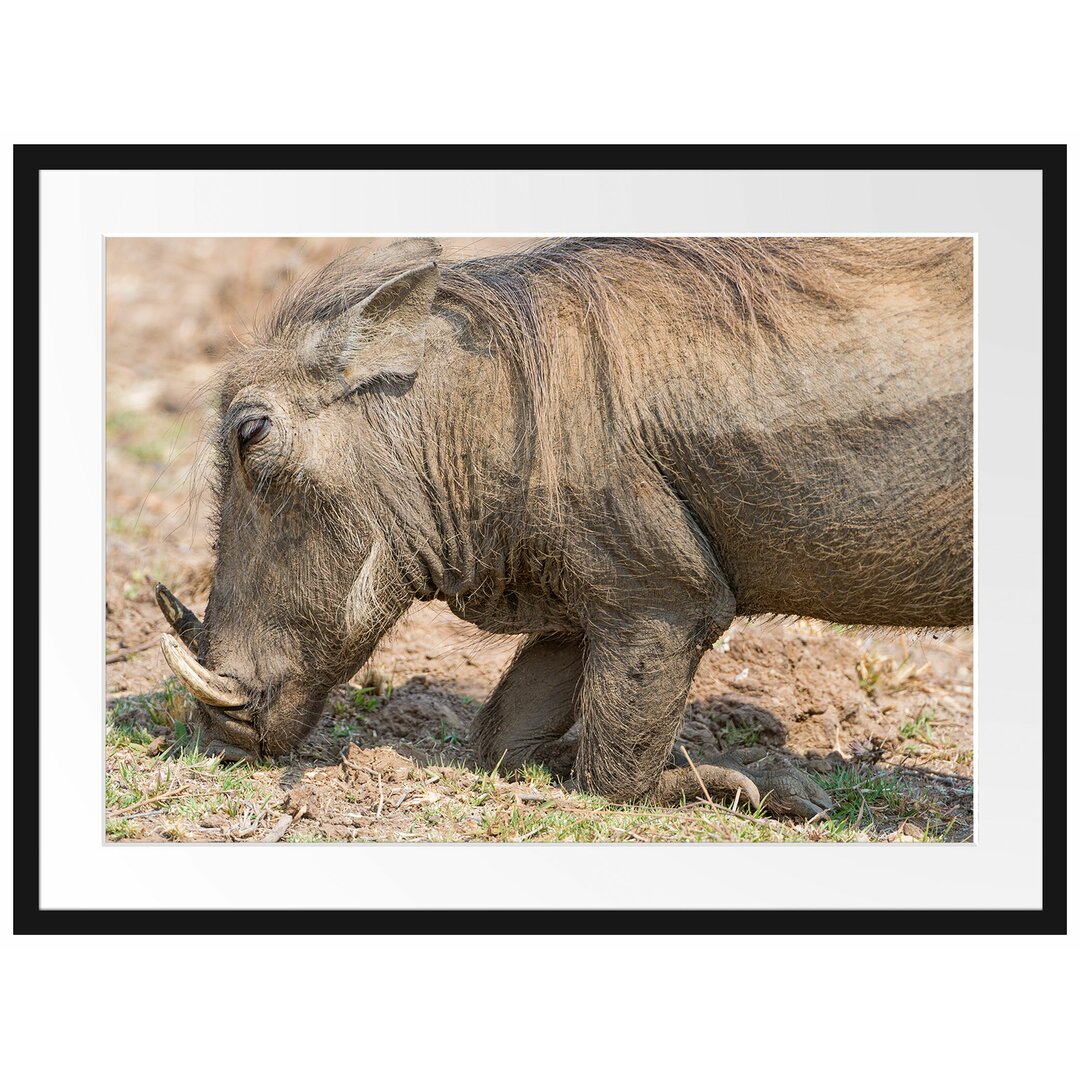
[{"x": 633, "y": 692}]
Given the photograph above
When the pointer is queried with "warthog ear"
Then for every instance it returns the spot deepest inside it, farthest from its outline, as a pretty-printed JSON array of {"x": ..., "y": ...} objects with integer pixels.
[{"x": 383, "y": 334}]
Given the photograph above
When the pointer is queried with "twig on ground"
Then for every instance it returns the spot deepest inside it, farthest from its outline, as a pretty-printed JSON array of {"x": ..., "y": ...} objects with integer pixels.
[
  {"x": 248, "y": 830},
  {"x": 282, "y": 826},
  {"x": 627, "y": 832},
  {"x": 921, "y": 770},
  {"x": 697, "y": 776},
  {"x": 172, "y": 793}
]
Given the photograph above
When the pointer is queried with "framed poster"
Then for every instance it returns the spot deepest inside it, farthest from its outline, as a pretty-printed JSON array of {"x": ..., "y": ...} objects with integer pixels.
[{"x": 860, "y": 309}]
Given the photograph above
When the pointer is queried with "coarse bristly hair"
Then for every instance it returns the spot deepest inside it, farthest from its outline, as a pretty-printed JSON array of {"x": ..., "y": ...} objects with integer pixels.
[
  {"x": 741, "y": 280},
  {"x": 747, "y": 285},
  {"x": 763, "y": 292}
]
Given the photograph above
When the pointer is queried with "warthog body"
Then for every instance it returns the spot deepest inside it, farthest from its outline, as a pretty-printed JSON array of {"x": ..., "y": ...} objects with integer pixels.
[{"x": 613, "y": 446}]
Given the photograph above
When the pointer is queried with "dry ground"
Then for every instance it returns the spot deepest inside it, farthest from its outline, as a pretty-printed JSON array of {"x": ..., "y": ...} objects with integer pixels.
[{"x": 886, "y": 723}]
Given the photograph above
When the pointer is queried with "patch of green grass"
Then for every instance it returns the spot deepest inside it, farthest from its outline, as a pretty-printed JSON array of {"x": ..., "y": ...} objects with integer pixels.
[
  {"x": 940, "y": 834},
  {"x": 448, "y": 736},
  {"x": 870, "y": 669},
  {"x": 236, "y": 779},
  {"x": 868, "y": 804},
  {"x": 878, "y": 672},
  {"x": 128, "y": 719},
  {"x": 121, "y": 735},
  {"x": 919, "y": 729},
  {"x": 535, "y": 774},
  {"x": 114, "y": 793},
  {"x": 365, "y": 699},
  {"x": 609, "y": 824},
  {"x": 376, "y": 683},
  {"x": 356, "y": 708},
  {"x": 134, "y": 778},
  {"x": 740, "y": 734},
  {"x": 171, "y": 704},
  {"x": 195, "y": 807},
  {"x": 841, "y": 829},
  {"x": 233, "y": 792},
  {"x": 191, "y": 755},
  {"x": 482, "y": 806},
  {"x": 857, "y": 793},
  {"x": 120, "y": 829}
]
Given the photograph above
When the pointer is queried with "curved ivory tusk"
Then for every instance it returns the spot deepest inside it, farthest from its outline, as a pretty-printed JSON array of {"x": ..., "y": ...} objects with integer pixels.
[
  {"x": 209, "y": 688},
  {"x": 184, "y": 622}
]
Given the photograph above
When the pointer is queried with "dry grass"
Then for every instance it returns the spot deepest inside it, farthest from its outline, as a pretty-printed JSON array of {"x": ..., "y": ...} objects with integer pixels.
[{"x": 160, "y": 787}]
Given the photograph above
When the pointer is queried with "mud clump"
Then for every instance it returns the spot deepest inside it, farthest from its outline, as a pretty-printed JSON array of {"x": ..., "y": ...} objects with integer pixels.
[{"x": 419, "y": 711}]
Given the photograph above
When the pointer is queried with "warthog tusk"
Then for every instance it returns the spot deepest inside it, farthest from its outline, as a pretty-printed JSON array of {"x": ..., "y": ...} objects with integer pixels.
[
  {"x": 184, "y": 622},
  {"x": 209, "y": 688}
]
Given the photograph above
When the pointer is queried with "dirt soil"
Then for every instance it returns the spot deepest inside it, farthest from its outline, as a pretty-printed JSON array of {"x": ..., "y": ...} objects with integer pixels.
[{"x": 885, "y": 723}]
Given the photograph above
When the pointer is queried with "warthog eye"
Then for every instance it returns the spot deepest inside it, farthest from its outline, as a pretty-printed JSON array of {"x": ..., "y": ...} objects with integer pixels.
[{"x": 253, "y": 431}]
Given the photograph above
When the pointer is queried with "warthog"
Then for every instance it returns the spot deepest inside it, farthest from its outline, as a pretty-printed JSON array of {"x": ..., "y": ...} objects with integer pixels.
[{"x": 613, "y": 446}]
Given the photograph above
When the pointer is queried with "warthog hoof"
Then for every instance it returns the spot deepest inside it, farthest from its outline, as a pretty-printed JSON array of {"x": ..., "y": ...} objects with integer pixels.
[
  {"x": 227, "y": 752},
  {"x": 783, "y": 790},
  {"x": 758, "y": 776}
]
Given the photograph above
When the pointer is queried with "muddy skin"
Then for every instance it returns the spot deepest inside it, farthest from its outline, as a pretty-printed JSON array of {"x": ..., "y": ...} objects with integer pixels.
[{"x": 614, "y": 446}]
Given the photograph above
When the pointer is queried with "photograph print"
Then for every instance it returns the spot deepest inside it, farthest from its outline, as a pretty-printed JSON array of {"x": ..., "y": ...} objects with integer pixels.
[{"x": 617, "y": 539}]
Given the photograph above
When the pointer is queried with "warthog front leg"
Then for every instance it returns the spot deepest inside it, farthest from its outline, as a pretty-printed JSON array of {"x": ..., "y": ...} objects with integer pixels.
[
  {"x": 532, "y": 708},
  {"x": 633, "y": 692}
]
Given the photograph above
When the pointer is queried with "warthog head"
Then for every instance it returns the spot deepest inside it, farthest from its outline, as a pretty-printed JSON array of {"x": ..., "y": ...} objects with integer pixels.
[{"x": 315, "y": 501}]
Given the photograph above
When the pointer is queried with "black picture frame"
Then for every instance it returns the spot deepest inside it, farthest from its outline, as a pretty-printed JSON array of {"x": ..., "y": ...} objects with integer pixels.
[{"x": 31, "y": 160}]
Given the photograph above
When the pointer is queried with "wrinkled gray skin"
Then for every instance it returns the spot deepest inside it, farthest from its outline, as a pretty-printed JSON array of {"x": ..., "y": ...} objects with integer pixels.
[{"x": 396, "y": 467}]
